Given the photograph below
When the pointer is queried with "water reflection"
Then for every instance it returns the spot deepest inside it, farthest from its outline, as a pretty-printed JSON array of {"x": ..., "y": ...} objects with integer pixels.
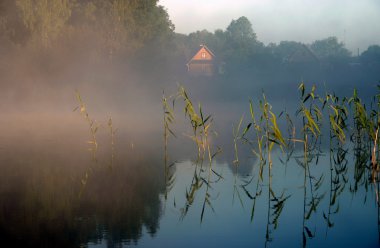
[
  {"x": 319, "y": 172},
  {"x": 261, "y": 190},
  {"x": 313, "y": 205},
  {"x": 45, "y": 201}
]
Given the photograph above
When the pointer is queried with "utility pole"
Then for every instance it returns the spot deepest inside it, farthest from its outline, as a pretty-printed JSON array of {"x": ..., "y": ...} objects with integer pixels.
[{"x": 344, "y": 37}]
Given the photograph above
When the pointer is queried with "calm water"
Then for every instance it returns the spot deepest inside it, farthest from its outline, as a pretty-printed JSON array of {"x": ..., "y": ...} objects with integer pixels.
[
  {"x": 54, "y": 192},
  {"x": 57, "y": 191}
]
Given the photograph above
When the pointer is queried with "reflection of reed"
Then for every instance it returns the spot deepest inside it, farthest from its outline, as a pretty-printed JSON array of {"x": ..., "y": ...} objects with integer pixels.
[
  {"x": 202, "y": 132},
  {"x": 338, "y": 180},
  {"x": 267, "y": 134},
  {"x": 168, "y": 120},
  {"x": 337, "y": 111},
  {"x": 94, "y": 127},
  {"x": 311, "y": 132}
]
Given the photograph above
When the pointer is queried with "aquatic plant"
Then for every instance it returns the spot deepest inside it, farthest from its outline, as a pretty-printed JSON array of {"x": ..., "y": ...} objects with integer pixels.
[
  {"x": 365, "y": 139},
  {"x": 311, "y": 116},
  {"x": 267, "y": 134},
  {"x": 262, "y": 133},
  {"x": 201, "y": 133},
  {"x": 168, "y": 120},
  {"x": 338, "y": 115},
  {"x": 338, "y": 181},
  {"x": 200, "y": 124},
  {"x": 338, "y": 122},
  {"x": 236, "y": 133},
  {"x": 93, "y": 129},
  {"x": 272, "y": 135},
  {"x": 112, "y": 131},
  {"x": 93, "y": 125}
]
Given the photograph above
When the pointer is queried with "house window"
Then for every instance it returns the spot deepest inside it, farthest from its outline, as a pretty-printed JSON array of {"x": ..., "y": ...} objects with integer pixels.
[{"x": 203, "y": 55}]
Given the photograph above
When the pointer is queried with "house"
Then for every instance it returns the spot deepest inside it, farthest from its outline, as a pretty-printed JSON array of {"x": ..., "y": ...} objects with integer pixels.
[
  {"x": 303, "y": 55},
  {"x": 202, "y": 63}
]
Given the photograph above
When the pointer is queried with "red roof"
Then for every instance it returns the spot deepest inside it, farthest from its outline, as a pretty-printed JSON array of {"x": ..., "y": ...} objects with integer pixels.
[{"x": 203, "y": 54}]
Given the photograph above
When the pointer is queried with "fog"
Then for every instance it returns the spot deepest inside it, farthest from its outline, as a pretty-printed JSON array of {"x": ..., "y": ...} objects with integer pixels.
[
  {"x": 122, "y": 74},
  {"x": 81, "y": 102},
  {"x": 357, "y": 23}
]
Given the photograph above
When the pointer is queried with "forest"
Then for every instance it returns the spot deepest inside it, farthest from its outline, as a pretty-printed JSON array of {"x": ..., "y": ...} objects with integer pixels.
[{"x": 138, "y": 36}]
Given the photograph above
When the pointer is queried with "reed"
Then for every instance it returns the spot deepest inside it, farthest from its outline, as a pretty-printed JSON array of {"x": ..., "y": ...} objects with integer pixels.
[
  {"x": 338, "y": 122},
  {"x": 93, "y": 125},
  {"x": 311, "y": 116},
  {"x": 200, "y": 124},
  {"x": 167, "y": 121},
  {"x": 236, "y": 136},
  {"x": 93, "y": 128},
  {"x": 263, "y": 134},
  {"x": 359, "y": 137},
  {"x": 93, "y": 142},
  {"x": 338, "y": 115},
  {"x": 201, "y": 134},
  {"x": 338, "y": 181},
  {"x": 266, "y": 135},
  {"x": 112, "y": 131}
]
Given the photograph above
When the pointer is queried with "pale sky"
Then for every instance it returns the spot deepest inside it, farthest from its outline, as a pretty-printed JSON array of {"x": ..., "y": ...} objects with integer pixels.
[{"x": 355, "y": 22}]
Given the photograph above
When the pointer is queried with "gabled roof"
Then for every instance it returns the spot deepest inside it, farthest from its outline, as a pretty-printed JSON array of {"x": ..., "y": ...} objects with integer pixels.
[
  {"x": 303, "y": 54},
  {"x": 197, "y": 57},
  {"x": 207, "y": 49}
]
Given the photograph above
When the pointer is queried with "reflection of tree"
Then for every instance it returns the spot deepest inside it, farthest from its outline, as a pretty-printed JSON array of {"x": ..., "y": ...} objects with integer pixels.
[{"x": 39, "y": 204}]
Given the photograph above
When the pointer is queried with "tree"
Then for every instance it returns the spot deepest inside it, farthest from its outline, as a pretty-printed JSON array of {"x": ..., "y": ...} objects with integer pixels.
[
  {"x": 240, "y": 33},
  {"x": 371, "y": 55},
  {"x": 285, "y": 49},
  {"x": 243, "y": 52},
  {"x": 45, "y": 19},
  {"x": 124, "y": 27},
  {"x": 12, "y": 28},
  {"x": 330, "y": 49}
]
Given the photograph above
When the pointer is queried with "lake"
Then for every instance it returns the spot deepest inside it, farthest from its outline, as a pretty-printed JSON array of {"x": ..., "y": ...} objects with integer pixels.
[{"x": 60, "y": 190}]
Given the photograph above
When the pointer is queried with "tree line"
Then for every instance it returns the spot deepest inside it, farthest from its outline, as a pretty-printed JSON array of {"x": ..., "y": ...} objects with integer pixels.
[
  {"x": 111, "y": 28},
  {"x": 141, "y": 31},
  {"x": 239, "y": 45}
]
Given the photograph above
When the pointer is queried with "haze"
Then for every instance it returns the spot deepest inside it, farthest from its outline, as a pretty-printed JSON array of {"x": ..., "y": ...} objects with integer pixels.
[
  {"x": 356, "y": 23},
  {"x": 121, "y": 55}
]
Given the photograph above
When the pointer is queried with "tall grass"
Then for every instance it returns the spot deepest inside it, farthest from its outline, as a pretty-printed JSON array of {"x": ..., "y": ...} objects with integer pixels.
[
  {"x": 265, "y": 136},
  {"x": 202, "y": 132},
  {"x": 200, "y": 124},
  {"x": 112, "y": 131},
  {"x": 93, "y": 125},
  {"x": 168, "y": 121},
  {"x": 93, "y": 141}
]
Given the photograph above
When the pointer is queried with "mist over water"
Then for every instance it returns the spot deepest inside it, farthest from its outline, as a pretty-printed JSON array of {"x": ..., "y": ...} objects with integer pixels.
[{"x": 59, "y": 189}]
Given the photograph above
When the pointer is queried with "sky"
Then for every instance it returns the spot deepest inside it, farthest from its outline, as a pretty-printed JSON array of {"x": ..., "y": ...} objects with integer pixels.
[{"x": 354, "y": 22}]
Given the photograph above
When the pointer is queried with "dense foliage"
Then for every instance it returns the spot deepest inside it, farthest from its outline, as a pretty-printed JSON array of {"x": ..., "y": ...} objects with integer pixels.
[
  {"x": 140, "y": 33},
  {"x": 112, "y": 28}
]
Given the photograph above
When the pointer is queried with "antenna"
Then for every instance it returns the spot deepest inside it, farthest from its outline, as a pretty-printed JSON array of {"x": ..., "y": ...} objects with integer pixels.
[{"x": 344, "y": 37}]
